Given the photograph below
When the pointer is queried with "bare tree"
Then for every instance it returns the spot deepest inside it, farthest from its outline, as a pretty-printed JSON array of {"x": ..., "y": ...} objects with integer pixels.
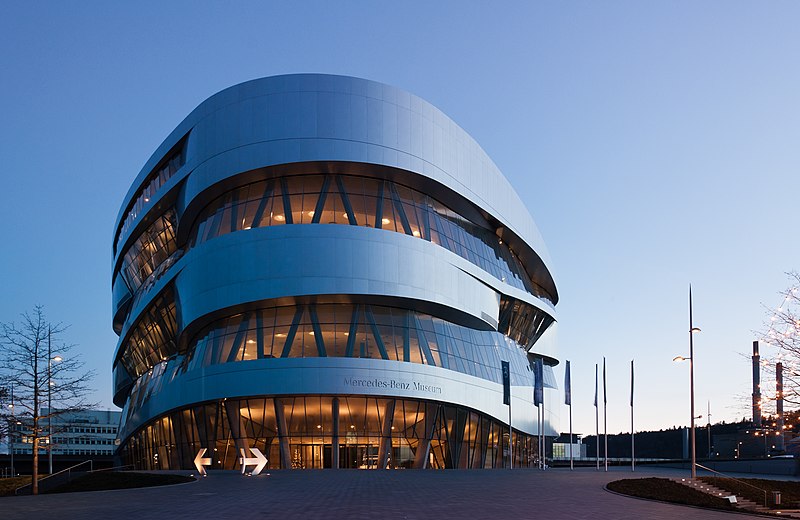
[
  {"x": 5, "y": 407},
  {"x": 782, "y": 330},
  {"x": 41, "y": 369}
]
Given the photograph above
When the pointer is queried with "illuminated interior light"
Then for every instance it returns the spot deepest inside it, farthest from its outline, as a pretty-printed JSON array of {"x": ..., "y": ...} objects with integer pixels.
[
  {"x": 280, "y": 218},
  {"x": 311, "y": 333},
  {"x": 251, "y": 341},
  {"x": 415, "y": 233},
  {"x": 280, "y": 335},
  {"x": 310, "y": 213},
  {"x": 385, "y": 221}
]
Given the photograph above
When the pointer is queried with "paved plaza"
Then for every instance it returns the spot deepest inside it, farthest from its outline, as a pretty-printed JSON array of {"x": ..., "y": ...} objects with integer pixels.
[{"x": 354, "y": 494}]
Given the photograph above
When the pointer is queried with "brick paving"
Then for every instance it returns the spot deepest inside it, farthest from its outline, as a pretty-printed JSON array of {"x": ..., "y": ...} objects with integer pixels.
[{"x": 355, "y": 495}]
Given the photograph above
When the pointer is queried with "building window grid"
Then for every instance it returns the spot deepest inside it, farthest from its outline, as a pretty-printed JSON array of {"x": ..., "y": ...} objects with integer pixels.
[{"x": 373, "y": 203}]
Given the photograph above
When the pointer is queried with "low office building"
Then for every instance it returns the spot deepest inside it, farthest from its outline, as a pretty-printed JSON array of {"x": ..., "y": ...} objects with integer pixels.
[
  {"x": 87, "y": 433},
  {"x": 331, "y": 271}
]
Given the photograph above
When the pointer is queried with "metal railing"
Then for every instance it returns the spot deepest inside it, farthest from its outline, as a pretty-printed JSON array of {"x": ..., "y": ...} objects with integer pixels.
[
  {"x": 723, "y": 475},
  {"x": 114, "y": 468},
  {"x": 64, "y": 472}
]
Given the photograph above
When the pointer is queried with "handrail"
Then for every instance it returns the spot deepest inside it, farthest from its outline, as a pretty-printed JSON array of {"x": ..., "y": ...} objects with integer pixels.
[
  {"x": 131, "y": 466},
  {"x": 737, "y": 480},
  {"x": 68, "y": 470}
]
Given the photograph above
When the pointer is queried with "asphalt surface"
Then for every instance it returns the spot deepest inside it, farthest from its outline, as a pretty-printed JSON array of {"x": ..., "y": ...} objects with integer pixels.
[{"x": 373, "y": 495}]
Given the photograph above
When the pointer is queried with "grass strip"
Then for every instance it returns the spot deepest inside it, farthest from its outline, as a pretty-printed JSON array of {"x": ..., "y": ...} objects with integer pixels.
[{"x": 8, "y": 485}]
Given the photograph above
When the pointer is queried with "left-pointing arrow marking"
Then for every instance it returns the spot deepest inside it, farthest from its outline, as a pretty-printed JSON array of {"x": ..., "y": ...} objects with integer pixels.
[
  {"x": 201, "y": 461},
  {"x": 259, "y": 461}
]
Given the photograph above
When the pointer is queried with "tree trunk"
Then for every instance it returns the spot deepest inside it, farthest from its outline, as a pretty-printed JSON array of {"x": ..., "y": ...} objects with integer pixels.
[{"x": 35, "y": 476}]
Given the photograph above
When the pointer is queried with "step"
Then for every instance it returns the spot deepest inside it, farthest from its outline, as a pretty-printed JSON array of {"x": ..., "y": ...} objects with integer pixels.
[{"x": 741, "y": 503}]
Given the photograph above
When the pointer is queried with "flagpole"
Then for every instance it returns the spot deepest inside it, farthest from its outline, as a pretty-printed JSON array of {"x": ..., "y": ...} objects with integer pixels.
[
  {"x": 568, "y": 402},
  {"x": 510, "y": 439},
  {"x": 605, "y": 414},
  {"x": 633, "y": 452},
  {"x": 544, "y": 448},
  {"x": 538, "y": 400},
  {"x": 709, "y": 428},
  {"x": 570, "y": 438},
  {"x": 539, "y": 433},
  {"x": 596, "y": 422}
]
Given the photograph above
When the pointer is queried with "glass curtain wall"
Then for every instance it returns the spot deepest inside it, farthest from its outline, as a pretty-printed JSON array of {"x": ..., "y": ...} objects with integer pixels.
[
  {"x": 357, "y": 331},
  {"x": 157, "y": 179},
  {"x": 153, "y": 338},
  {"x": 315, "y": 432},
  {"x": 152, "y": 248},
  {"x": 362, "y": 201},
  {"x": 315, "y": 330}
]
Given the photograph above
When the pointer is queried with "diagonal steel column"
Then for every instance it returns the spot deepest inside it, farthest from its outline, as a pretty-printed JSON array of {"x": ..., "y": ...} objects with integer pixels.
[{"x": 385, "y": 445}]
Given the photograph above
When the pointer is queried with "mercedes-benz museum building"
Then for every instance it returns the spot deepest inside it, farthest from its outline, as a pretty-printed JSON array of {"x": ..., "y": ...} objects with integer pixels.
[{"x": 330, "y": 270}]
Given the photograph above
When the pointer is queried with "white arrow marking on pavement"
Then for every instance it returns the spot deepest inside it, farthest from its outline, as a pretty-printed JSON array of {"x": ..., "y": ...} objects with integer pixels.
[
  {"x": 259, "y": 461},
  {"x": 199, "y": 462}
]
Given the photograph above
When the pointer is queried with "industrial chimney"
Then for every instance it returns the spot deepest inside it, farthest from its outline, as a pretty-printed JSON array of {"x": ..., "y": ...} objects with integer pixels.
[{"x": 756, "y": 386}]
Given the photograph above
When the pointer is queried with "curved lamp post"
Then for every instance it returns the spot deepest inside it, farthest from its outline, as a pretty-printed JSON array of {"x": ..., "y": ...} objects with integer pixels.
[{"x": 690, "y": 359}]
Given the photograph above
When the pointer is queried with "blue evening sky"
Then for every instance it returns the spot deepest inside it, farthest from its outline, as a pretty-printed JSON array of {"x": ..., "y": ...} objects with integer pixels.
[{"x": 655, "y": 144}]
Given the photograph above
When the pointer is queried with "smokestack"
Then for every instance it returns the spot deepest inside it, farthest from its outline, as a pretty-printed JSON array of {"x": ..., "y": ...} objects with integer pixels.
[
  {"x": 779, "y": 445},
  {"x": 756, "y": 386}
]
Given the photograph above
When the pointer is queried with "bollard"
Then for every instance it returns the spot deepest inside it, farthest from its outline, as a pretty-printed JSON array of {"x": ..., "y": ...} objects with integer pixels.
[{"x": 776, "y": 498}]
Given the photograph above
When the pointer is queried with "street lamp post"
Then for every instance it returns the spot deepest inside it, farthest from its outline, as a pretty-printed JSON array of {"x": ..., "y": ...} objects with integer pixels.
[
  {"x": 692, "y": 330},
  {"x": 50, "y": 359},
  {"x": 11, "y": 427}
]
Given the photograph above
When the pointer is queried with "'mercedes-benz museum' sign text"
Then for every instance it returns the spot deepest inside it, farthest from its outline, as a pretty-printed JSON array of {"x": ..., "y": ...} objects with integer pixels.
[{"x": 392, "y": 384}]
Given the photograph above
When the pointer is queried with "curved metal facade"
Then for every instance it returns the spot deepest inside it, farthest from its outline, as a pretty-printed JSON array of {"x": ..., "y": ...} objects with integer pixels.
[{"x": 331, "y": 270}]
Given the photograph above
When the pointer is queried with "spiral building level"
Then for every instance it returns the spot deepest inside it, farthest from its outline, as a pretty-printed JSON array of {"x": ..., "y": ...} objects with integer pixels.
[{"x": 329, "y": 270}]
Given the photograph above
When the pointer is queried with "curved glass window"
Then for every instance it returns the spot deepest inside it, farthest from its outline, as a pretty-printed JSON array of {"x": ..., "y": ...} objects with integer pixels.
[
  {"x": 158, "y": 178},
  {"x": 357, "y": 331},
  {"x": 154, "y": 246},
  {"x": 315, "y": 432},
  {"x": 361, "y": 201},
  {"x": 521, "y": 321},
  {"x": 152, "y": 338}
]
